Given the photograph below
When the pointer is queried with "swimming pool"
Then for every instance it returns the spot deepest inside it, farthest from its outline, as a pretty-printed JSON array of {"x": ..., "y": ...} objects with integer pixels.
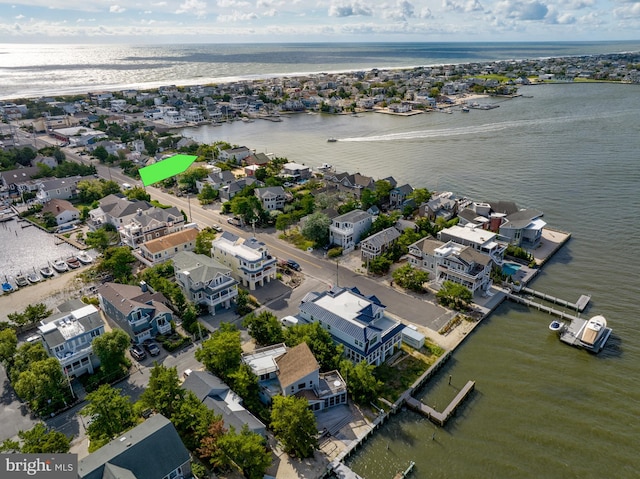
[{"x": 510, "y": 268}]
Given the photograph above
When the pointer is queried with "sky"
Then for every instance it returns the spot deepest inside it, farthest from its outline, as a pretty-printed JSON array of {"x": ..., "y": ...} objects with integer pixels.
[{"x": 247, "y": 21}]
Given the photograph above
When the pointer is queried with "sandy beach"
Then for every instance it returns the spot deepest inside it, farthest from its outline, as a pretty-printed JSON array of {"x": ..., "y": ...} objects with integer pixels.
[{"x": 51, "y": 292}]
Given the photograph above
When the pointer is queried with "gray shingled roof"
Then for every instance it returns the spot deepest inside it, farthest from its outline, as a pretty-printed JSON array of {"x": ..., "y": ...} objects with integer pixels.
[
  {"x": 352, "y": 216},
  {"x": 201, "y": 268},
  {"x": 522, "y": 218},
  {"x": 149, "y": 451},
  {"x": 383, "y": 238}
]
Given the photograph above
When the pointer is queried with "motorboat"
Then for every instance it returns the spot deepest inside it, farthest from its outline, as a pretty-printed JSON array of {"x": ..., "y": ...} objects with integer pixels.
[
  {"x": 84, "y": 257},
  {"x": 465, "y": 109},
  {"x": 60, "y": 266},
  {"x": 46, "y": 271},
  {"x": 34, "y": 277},
  {"x": 7, "y": 287},
  {"x": 595, "y": 333},
  {"x": 21, "y": 280},
  {"x": 332, "y": 140},
  {"x": 556, "y": 325},
  {"x": 324, "y": 167},
  {"x": 73, "y": 262}
]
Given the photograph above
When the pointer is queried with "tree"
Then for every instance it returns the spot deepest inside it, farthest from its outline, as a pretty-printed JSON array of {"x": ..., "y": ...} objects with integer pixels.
[
  {"x": 110, "y": 348},
  {"x": 316, "y": 228},
  {"x": 137, "y": 193},
  {"x": 368, "y": 199},
  {"x": 8, "y": 345},
  {"x": 284, "y": 221},
  {"x": 379, "y": 265},
  {"x": 192, "y": 419},
  {"x": 43, "y": 386},
  {"x": 247, "y": 450},
  {"x": 454, "y": 295},
  {"x": 245, "y": 383},
  {"x": 204, "y": 240},
  {"x": 326, "y": 352},
  {"x": 99, "y": 239},
  {"x": 361, "y": 381},
  {"x": 264, "y": 328},
  {"x": 118, "y": 261},
  {"x": 382, "y": 189},
  {"x": 420, "y": 195},
  {"x": 164, "y": 392},
  {"x": 247, "y": 207},
  {"x": 294, "y": 425},
  {"x": 31, "y": 315},
  {"x": 25, "y": 355},
  {"x": 101, "y": 153},
  {"x": 208, "y": 194},
  {"x": 38, "y": 440},
  {"x": 110, "y": 414},
  {"x": 221, "y": 353},
  {"x": 210, "y": 450},
  {"x": 411, "y": 278},
  {"x": 188, "y": 179}
]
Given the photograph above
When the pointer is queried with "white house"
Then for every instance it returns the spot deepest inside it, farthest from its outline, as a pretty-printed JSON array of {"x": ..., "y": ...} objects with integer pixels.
[
  {"x": 63, "y": 211},
  {"x": 271, "y": 197},
  {"x": 479, "y": 239},
  {"x": 67, "y": 336},
  {"x": 345, "y": 230},
  {"x": 356, "y": 321},
  {"x": 249, "y": 259}
]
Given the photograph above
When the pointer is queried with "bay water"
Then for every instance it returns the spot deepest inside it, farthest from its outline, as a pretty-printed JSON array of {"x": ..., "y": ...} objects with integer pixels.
[{"x": 540, "y": 408}]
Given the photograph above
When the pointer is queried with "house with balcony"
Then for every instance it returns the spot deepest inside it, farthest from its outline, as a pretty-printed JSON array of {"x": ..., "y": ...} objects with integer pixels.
[
  {"x": 234, "y": 154},
  {"x": 153, "y": 223},
  {"x": 162, "y": 249},
  {"x": 399, "y": 194},
  {"x": 441, "y": 206},
  {"x": 229, "y": 191},
  {"x": 295, "y": 372},
  {"x": 141, "y": 313},
  {"x": 249, "y": 259},
  {"x": 347, "y": 229},
  {"x": 220, "y": 398},
  {"x": 523, "y": 228},
  {"x": 59, "y": 188},
  {"x": 204, "y": 280},
  {"x": 271, "y": 197},
  {"x": 296, "y": 171},
  {"x": 479, "y": 239},
  {"x": 356, "y": 321},
  {"x": 67, "y": 336},
  {"x": 378, "y": 243},
  {"x": 452, "y": 262},
  {"x": 151, "y": 450}
]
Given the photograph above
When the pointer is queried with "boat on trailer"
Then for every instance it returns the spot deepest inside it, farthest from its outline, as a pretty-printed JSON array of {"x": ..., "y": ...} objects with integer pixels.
[
  {"x": 60, "y": 266},
  {"x": 84, "y": 257},
  {"x": 46, "y": 271}
]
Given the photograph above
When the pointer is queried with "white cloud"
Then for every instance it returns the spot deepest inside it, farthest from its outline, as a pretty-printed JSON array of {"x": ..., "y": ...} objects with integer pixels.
[
  {"x": 19, "y": 17},
  {"x": 232, "y": 4},
  {"x": 117, "y": 9},
  {"x": 350, "y": 10},
  {"x": 194, "y": 7},
  {"x": 236, "y": 17},
  {"x": 468, "y": 6},
  {"x": 628, "y": 11},
  {"x": 532, "y": 10}
]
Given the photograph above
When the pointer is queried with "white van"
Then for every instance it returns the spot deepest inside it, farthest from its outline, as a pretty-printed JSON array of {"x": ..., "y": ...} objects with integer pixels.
[
  {"x": 288, "y": 321},
  {"x": 126, "y": 186}
]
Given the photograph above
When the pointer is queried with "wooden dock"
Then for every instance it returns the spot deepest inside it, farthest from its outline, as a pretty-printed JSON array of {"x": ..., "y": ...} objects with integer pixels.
[
  {"x": 541, "y": 307},
  {"x": 579, "y": 306},
  {"x": 441, "y": 418}
]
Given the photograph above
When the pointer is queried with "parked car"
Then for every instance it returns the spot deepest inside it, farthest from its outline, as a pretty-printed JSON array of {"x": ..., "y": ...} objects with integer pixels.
[
  {"x": 217, "y": 228},
  {"x": 293, "y": 265},
  {"x": 152, "y": 348},
  {"x": 137, "y": 353}
]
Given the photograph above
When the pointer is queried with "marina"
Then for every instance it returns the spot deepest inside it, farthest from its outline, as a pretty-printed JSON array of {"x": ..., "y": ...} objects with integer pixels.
[{"x": 591, "y": 334}]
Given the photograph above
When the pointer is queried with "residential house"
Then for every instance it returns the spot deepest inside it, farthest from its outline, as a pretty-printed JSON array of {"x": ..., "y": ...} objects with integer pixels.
[
  {"x": 249, "y": 259},
  {"x": 345, "y": 230},
  {"x": 63, "y": 211},
  {"x": 399, "y": 194},
  {"x": 454, "y": 262},
  {"x": 151, "y": 450},
  {"x": 257, "y": 159},
  {"x": 60, "y": 188},
  {"x": 20, "y": 180},
  {"x": 229, "y": 191},
  {"x": 523, "y": 228},
  {"x": 217, "y": 178},
  {"x": 234, "y": 154},
  {"x": 67, "y": 336},
  {"x": 441, "y": 206},
  {"x": 271, "y": 197},
  {"x": 161, "y": 249},
  {"x": 49, "y": 161},
  {"x": 378, "y": 243},
  {"x": 299, "y": 375},
  {"x": 296, "y": 171},
  {"x": 351, "y": 183},
  {"x": 140, "y": 312},
  {"x": 204, "y": 280},
  {"x": 479, "y": 239},
  {"x": 219, "y": 397},
  {"x": 356, "y": 321}
]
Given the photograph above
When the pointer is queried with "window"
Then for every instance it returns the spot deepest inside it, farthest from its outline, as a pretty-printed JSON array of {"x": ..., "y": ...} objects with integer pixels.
[{"x": 302, "y": 385}]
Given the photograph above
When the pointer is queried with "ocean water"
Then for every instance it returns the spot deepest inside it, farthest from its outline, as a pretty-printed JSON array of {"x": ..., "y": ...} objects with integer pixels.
[
  {"x": 541, "y": 409},
  {"x": 33, "y": 70}
]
